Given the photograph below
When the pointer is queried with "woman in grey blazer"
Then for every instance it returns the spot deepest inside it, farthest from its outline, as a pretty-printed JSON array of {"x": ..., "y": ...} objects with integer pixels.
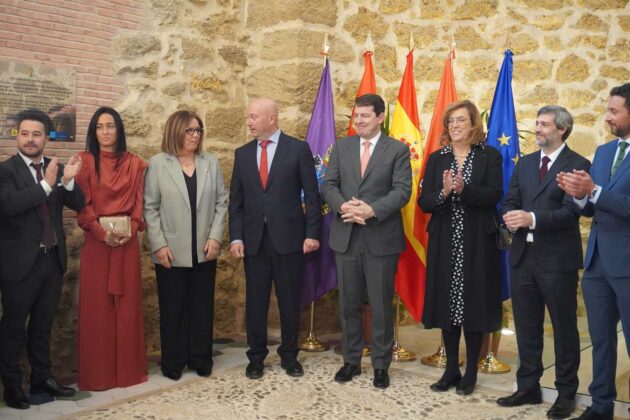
[{"x": 185, "y": 202}]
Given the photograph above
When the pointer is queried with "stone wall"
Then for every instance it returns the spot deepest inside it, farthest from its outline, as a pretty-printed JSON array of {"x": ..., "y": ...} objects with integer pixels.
[{"x": 212, "y": 56}]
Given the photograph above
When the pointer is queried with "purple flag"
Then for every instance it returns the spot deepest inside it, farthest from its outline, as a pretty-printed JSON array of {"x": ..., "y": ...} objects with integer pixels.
[{"x": 320, "y": 275}]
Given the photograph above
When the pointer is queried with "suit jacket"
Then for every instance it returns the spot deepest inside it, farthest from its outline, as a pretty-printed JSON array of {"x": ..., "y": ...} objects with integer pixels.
[
  {"x": 167, "y": 206},
  {"x": 482, "y": 281},
  {"x": 278, "y": 206},
  {"x": 610, "y": 229},
  {"x": 21, "y": 220},
  {"x": 557, "y": 233},
  {"x": 385, "y": 186}
]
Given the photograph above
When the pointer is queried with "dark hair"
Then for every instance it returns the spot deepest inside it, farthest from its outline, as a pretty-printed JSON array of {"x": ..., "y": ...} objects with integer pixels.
[
  {"x": 91, "y": 143},
  {"x": 35, "y": 115},
  {"x": 476, "y": 134},
  {"x": 561, "y": 118},
  {"x": 624, "y": 92},
  {"x": 370, "y": 99}
]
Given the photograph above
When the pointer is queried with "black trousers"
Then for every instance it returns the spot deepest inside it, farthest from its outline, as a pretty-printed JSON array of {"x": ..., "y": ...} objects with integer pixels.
[
  {"x": 286, "y": 272},
  {"x": 186, "y": 297},
  {"x": 36, "y": 295},
  {"x": 532, "y": 290}
]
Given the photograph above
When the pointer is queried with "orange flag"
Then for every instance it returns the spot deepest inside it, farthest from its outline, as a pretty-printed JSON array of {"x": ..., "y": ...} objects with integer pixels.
[
  {"x": 405, "y": 126},
  {"x": 446, "y": 96},
  {"x": 368, "y": 85}
]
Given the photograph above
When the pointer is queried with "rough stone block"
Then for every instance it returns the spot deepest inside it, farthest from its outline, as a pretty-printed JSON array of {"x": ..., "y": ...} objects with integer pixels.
[
  {"x": 135, "y": 45},
  {"x": 572, "y": 68}
]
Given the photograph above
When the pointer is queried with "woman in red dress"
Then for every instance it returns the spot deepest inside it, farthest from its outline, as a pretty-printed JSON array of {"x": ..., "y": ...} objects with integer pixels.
[{"x": 111, "y": 347}]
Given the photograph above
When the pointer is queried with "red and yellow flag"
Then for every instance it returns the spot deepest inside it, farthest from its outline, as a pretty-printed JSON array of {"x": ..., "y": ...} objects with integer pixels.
[
  {"x": 405, "y": 126},
  {"x": 446, "y": 96},
  {"x": 368, "y": 85}
]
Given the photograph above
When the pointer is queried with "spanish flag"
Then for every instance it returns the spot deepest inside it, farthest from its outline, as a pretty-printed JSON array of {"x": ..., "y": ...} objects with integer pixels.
[
  {"x": 368, "y": 85},
  {"x": 405, "y": 127}
]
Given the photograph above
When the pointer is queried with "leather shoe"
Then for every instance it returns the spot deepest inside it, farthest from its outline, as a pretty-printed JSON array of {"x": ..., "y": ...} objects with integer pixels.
[
  {"x": 381, "y": 378},
  {"x": 347, "y": 372},
  {"x": 52, "y": 387},
  {"x": 254, "y": 370},
  {"x": 590, "y": 414},
  {"x": 532, "y": 396},
  {"x": 172, "y": 374},
  {"x": 561, "y": 408},
  {"x": 205, "y": 372},
  {"x": 464, "y": 388},
  {"x": 292, "y": 368},
  {"x": 444, "y": 384},
  {"x": 15, "y": 398}
]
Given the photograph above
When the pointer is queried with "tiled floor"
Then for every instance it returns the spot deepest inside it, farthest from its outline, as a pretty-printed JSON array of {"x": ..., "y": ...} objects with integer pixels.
[{"x": 422, "y": 342}]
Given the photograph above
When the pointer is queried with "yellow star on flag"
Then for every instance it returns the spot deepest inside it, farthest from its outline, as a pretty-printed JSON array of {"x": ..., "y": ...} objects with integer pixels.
[
  {"x": 504, "y": 140},
  {"x": 515, "y": 159}
]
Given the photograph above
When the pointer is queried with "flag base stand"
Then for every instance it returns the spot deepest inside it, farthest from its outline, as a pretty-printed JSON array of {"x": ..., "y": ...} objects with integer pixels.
[
  {"x": 367, "y": 352},
  {"x": 490, "y": 364},
  {"x": 438, "y": 359},
  {"x": 399, "y": 354},
  {"x": 312, "y": 344}
]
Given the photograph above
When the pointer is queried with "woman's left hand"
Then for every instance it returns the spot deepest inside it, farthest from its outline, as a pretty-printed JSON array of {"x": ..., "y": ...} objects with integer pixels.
[
  {"x": 458, "y": 182},
  {"x": 212, "y": 249}
]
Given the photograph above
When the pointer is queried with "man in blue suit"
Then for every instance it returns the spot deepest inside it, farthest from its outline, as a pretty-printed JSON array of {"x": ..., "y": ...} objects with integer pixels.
[{"x": 604, "y": 195}]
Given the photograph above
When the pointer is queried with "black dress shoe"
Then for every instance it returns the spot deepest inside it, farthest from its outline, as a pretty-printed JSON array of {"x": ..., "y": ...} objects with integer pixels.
[
  {"x": 254, "y": 370},
  {"x": 561, "y": 409},
  {"x": 292, "y": 368},
  {"x": 381, "y": 378},
  {"x": 15, "y": 398},
  {"x": 464, "y": 388},
  {"x": 532, "y": 396},
  {"x": 347, "y": 372},
  {"x": 52, "y": 387},
  {"x": 205, "y": 372},
  {"x": 590, "y": 414},
  {"x": 172, "y": 374},
  {"x": 444, "y": 384}
]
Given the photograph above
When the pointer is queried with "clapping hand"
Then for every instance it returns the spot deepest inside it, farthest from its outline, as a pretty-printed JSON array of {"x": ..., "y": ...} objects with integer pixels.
[{"x": 71, "y": 169}]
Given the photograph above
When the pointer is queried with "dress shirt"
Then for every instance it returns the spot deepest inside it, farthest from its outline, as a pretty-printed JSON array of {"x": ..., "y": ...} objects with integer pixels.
[
  {"x": 271, "y": 149},
  {"x": 598, "y": 189},
  {"x": 552, "y": 158},
  {"x": 372, "y": 141},
  {"x": 47, "y": 188}
]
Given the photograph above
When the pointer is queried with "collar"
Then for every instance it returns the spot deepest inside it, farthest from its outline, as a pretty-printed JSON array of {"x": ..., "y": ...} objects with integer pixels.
[
  {"x": 27, "y": 160},
  {"x": 274, "y": 138},
  {"x": 553, "y": 156},
  {"x": 449, "y": 148},
  {"x": 372, "y": 141}
]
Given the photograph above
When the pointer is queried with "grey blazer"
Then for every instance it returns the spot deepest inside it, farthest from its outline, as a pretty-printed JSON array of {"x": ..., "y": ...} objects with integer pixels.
[
  {"x": 386, "y": 186},
  {"x": 167, "y": 206}
]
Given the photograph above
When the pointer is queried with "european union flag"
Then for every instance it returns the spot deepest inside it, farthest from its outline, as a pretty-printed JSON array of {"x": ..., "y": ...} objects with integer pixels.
[{"x": 503, "y": 135}]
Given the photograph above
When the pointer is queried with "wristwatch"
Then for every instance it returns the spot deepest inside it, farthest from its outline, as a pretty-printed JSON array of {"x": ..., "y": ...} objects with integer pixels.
[{"x": 592, "y": 193}]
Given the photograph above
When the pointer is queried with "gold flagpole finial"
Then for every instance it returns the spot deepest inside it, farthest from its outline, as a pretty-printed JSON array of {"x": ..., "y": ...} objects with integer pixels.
[
  {"x": 410, "y": 41},
  {"x": 507, "y": 41},
  {"x": 369, "y": 45},
  {"x": 325, "y": 47},
  {"x": 452, "y": 51}
]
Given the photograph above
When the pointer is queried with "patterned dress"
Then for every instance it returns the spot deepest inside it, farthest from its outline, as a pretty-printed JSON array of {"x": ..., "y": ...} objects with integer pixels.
[{"x": 456, "y": 296}]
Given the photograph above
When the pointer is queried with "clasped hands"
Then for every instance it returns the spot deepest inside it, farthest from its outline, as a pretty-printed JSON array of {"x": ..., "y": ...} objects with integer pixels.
[
  {"x": 577, "y": 183},
  {"x": 452, "y": 181},
  {"x": 356, "y": 211},
  {"x": 115, "y": 238}
]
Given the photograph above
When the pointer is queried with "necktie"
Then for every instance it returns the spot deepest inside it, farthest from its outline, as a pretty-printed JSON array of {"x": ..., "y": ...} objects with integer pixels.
[
  {"x": 620, "y": 156},
  {"x": 48, "y": 235},
  {"x": 264, "y": 166},
  {"x": 544, "y": 168},
  {"x": 365, "y": 157}
]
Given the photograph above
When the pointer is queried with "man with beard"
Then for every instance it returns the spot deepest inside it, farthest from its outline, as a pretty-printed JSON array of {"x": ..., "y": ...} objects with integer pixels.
[
  {"x": 33, "y": 191},
  {"x": 545, "y": 257},
  {"x": 604, "y": 195}
]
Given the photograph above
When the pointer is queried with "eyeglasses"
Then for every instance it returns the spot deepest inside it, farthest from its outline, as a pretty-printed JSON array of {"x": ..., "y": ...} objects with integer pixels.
[
  {"x": 191, "y": 131},
  {"x": 458, "y": 121}
]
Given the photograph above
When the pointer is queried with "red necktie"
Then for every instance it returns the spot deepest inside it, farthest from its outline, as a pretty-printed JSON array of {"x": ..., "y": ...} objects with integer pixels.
[
  {"x": 544, "y": 168},
  {"x": 48, "y": 235},
  {"x": 263, "y": 169}
]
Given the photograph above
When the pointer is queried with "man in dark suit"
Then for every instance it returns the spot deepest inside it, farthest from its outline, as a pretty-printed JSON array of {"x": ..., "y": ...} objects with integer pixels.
[
  {"x": 33, "y": 191},
  {"x": 604, "y": 195},
  {"x": 367, "y": 182},
  {"x": 272, "y": 229},
  {"x": 545, "y": 257}
]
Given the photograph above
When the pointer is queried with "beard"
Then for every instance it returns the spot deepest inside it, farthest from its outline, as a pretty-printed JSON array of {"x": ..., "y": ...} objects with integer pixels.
[
  {"x": 32, "y": 152},
  {"x": 621, "y": 132}
]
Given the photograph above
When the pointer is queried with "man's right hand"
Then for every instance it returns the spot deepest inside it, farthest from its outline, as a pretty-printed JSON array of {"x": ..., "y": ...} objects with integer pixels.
[
  {"x": 50, "y": 175},
  {"x": 237, "y": 250},
  {"x": 164, "y": 256}
]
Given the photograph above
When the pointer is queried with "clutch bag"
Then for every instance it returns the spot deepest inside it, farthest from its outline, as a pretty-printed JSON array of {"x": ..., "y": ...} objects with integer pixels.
[{"x": 120, "y": 224}]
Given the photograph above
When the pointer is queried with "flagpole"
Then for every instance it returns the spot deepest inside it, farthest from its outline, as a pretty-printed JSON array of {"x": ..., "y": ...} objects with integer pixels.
[
  {"x": 399, "y": 353},
  {"x": 311, "y": 343}
]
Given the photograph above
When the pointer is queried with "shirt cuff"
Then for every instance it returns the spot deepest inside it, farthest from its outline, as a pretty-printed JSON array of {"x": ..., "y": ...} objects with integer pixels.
[
  {"x": 595, "y": 195},
  {"x": 533, "y": 225},
  {"x": 581, "y": 203},
  {"x": 69, "y": 186},
  {"x": 46, "y": 187},
  {"x": 236, "y": 241}
]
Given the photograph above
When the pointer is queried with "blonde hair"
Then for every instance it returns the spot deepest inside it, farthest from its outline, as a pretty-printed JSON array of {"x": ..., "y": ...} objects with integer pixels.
[
  {"x": 476, "y": 133},
  {"x": 175, "y": 131}
]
